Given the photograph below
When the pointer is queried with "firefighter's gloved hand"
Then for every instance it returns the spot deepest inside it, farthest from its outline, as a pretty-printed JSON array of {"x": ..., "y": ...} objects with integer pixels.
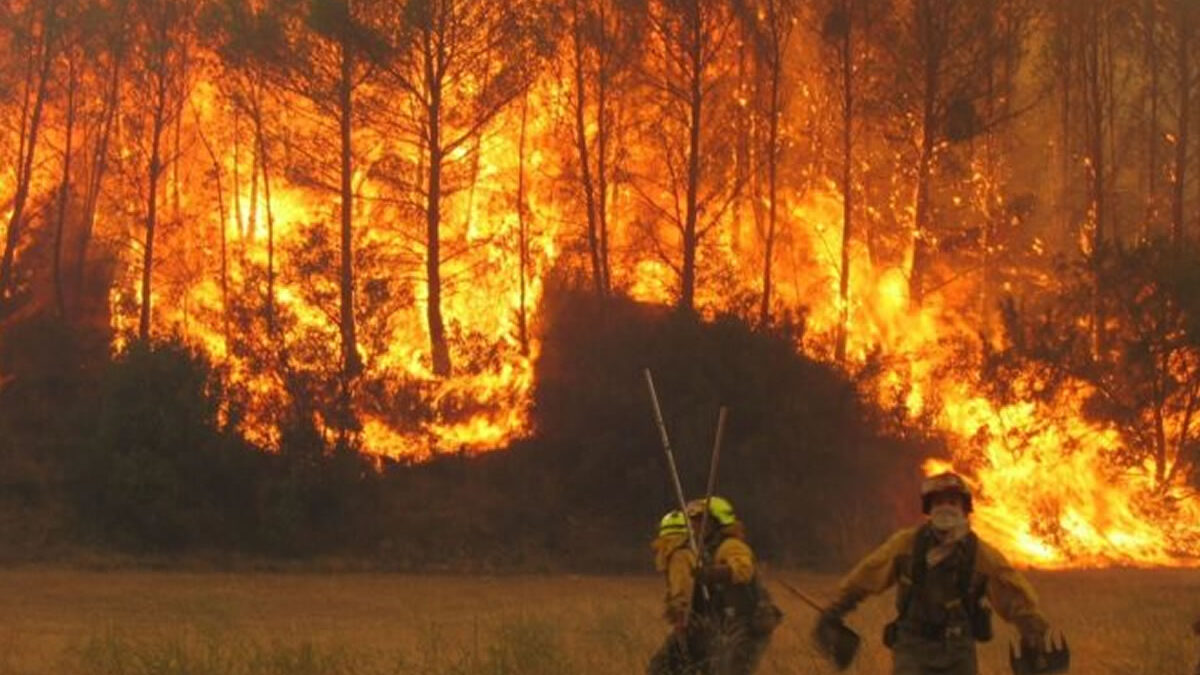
[
  {"x": 1196, "y": 627},
  {"x": 677, "y": 617},
  {"x": 1033, "y": 643},
  {"x": 714, "y": 574},
  {"x": 842, "y": 606},
  {"x": 830, "y": 616}
]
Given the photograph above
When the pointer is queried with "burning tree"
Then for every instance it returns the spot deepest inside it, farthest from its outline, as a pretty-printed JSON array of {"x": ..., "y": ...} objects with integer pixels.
[
  {"x": 1147, "y": 381},
  {"x": 34, "y": 36},
  {"x": 687, "y": 68},
  {"x": 940, "y": 55},
  {"x": 605, "y": 40},
  {"x": 353, "y": 205},
  {"x": 446, "y": 63},
  {"x": 331, "y": 52}
]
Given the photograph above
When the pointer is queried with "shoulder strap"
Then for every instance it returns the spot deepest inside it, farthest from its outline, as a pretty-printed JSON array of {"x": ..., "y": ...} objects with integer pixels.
[
  {"x": 918, "y": 566},
  {"x": 967, "y": 573}
]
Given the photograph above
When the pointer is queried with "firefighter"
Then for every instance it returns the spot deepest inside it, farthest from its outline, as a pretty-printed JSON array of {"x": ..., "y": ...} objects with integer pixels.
[
  {"x": 944, "y": 572},
  {"x": 721, "y": 616}
]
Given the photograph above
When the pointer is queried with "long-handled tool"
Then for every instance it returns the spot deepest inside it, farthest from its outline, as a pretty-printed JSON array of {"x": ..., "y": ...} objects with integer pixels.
[
  {"x": 712, "y": 469},
  {"x": 662, "y": 430},
  {"x": 834, "y": 638}
]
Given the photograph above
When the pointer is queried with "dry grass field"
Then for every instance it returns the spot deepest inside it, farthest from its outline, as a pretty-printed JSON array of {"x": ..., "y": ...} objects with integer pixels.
[{"x": 141, "y": 622}]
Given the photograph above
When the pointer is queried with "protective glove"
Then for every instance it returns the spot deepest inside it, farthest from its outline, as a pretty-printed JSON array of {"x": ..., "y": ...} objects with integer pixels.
[
  {"x": 1196, "y": 627},
  {"x": 678, "y": 618},
  {"x": 714, "y": 574},
  {"x": 830, "y": 616},
  {"x": 841, "y": 607},
  {"x": 1033, "y": 643}
]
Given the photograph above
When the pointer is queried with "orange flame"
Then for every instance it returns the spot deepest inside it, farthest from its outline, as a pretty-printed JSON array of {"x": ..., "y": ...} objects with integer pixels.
[{"x": 1047, "y": 492}]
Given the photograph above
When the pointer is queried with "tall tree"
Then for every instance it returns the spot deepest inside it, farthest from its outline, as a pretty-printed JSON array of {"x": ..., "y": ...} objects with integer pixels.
[
  {"x": 248, "y": 40},
  {"x": 770, "y": 24},
  {"x": 840, "y": 30},
  {"x": 605, "y": 38},
  {"x": 73, "y": 58},
  {"x": 34, "y": 33},
  {"x": 330, "y": 53},
  {"x": 457, "y": 64},
  {"x": 162, "y": 73},
  {"x": 1184, "y": 49},
  {"x": 1152, "y": 65},
  {"x": 108, "y": 38},
  {"x": 940, "y": 60},
  {"x": 688, "y": 68}
]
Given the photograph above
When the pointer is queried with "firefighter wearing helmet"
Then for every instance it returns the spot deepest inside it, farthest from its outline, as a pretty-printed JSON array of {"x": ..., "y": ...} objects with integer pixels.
[
  {"x": 947, "y": 579},
  {"x": 720, "y": 614}
]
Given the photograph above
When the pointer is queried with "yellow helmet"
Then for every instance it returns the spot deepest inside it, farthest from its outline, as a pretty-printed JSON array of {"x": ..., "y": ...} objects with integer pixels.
[
  {"x": 719, "y": 508},
  {"x": 674, "y": 522},
  {"x": 943, "y": 483}
]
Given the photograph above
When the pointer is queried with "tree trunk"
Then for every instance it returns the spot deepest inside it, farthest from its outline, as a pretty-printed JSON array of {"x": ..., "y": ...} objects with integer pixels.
[
  {"x": 522, "y": 232},
  {"x": 773, "y": 152},
  {"x": 581, "y": 146},
  {"x": 237, "y": 178},
  {"x": 1094, "y": 112},
  {"x": 112, "y": 102},
  {"x": 155, "y": 172},
  {"x": 604, "y": 125},
  {"x": 1066, "y": 69},
  {"x": 223, "y": 214},
  {"x": 64, "y": 190},
  {"x": 25, "y": 155},
  {"x": 439, "y": 349},
  {"x": 847, "y": 184},
  {"x": 351, "y": 365},
  {"x": 265, "y": 166},
  {"x": 1150, "y": 40},
  {"x": 687, "y": 292},
  {"x": 921, "y": 232},
  {"x": 1184, "y": 66}
]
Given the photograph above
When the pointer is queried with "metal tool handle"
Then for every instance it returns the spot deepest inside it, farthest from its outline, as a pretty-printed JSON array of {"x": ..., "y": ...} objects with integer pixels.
[
  {"x": 804, "y": 597},
  {"x": 662, "y": 430},
  {"x": 712, "y": 469}
]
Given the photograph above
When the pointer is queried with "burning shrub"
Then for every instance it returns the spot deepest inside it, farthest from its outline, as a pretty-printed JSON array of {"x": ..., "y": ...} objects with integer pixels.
[{"x": 1125, "y": 330}]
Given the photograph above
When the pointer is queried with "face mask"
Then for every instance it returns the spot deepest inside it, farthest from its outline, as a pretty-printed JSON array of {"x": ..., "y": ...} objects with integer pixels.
[{"x": 946, "y": 517}]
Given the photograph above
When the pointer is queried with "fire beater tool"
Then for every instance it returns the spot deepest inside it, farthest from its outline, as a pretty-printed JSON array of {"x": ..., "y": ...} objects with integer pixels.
[
  {"x": 834, "y": 638},
  {"x": 1056, "y": 658}
]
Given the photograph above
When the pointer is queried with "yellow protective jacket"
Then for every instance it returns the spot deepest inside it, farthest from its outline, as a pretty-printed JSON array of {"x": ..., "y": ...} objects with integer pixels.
[
  {"x": 1008, "y": 592},
  {"x": 673, "y": 557}
]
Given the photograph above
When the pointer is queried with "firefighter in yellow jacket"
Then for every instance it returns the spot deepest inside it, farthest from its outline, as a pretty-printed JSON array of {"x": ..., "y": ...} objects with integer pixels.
[
  {"x": 944, "y": 572},
  {"x": 721, "y": 616}
]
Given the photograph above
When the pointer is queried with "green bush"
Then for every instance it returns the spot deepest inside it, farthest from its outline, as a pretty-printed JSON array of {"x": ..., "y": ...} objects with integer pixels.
[{"x": 161, "y": 472}]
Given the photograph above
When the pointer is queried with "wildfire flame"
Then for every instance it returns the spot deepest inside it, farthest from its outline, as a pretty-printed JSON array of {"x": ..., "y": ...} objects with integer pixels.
[{"x": 1047, "y": 492}]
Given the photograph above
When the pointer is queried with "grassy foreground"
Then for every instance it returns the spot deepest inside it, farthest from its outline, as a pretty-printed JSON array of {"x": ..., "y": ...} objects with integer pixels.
[{"x": 139, "y": 622}]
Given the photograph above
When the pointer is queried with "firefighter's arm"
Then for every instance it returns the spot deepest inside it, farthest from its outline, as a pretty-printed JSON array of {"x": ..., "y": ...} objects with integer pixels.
[
  {"x": 681, "y": 567},
  {"x": 733, "y": 563},
  {"x": 1010, "y": 594},
  {"x": 873, "y": 574}
]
